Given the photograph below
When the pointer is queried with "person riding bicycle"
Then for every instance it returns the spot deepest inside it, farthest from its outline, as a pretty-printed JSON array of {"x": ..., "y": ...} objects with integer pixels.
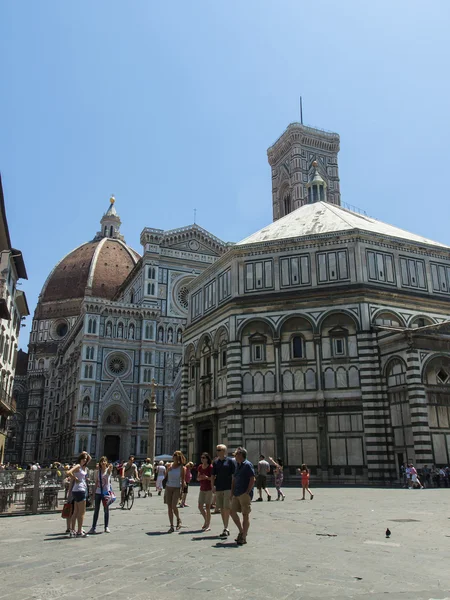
[{"x": 130, "y": 473}]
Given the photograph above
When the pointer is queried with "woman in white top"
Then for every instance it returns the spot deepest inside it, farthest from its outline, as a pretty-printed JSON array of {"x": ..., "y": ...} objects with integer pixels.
[
  {"x": 176, "y": 473},
  {"x": 103, "y": 480},
  {"x": 161, "y": 473},
  {"x": 80, "y": 491}
]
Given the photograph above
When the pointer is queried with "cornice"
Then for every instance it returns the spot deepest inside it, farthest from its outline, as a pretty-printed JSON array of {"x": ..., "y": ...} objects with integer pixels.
[{"x": 304, "y": 135}]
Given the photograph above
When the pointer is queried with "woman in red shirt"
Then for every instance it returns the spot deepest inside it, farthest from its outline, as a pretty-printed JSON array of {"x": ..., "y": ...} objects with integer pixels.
[{"x": 204, "y": 476}]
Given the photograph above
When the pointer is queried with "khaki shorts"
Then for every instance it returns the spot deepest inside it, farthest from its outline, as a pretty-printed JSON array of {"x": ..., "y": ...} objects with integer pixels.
[
  {"x": 242, "y": 504},
  {"x": 205, "y": 498},
  {"x": 261, "y": 482},
  {"x": 223, "y": 499},
  {"x": 171, "y": 496}
]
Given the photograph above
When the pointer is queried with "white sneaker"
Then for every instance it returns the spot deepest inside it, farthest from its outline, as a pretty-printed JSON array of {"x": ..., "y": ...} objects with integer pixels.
[{"x": 107, "y": 530}]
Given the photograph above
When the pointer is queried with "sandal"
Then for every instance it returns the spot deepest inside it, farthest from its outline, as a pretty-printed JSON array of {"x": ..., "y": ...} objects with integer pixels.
[
  {"x": 178, "y": 524},
  {"x": 239, "y": 538},
  {"x": 171, "y": 530}
]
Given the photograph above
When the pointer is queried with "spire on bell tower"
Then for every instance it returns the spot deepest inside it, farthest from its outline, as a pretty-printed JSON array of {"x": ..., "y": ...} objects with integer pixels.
[{"x": 110, "y": 223}]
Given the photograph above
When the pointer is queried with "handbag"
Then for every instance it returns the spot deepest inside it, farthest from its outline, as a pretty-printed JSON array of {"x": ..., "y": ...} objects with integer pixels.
[
  {"x": 109, "y": 496},
  {"x": 67, "y": 510}
]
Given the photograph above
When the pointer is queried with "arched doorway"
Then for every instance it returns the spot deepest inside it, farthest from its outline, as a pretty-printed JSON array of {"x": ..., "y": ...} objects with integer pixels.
[
  {"x": 114, "y": 435},
  {"x": 112, "y": 447}
]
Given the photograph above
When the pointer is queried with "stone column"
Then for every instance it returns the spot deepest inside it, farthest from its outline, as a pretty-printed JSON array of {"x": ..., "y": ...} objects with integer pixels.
[
  {"x": 184, "y": 417},
  {"x": 153, "y": 409}
]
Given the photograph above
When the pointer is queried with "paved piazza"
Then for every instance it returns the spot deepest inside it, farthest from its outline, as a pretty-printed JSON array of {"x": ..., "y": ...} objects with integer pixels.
[{"x": 331, "y": 547}]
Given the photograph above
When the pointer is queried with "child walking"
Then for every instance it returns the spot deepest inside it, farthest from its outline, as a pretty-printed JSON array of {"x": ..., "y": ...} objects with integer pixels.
[{"x": 304, "y": 472}]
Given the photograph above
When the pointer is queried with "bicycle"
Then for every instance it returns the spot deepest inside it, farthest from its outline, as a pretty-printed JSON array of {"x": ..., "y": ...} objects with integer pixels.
[{"x": 128, "y": 497}]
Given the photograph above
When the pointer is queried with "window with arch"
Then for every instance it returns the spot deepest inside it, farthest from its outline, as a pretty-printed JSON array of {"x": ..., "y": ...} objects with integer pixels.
[
  {"x": 389, "y": 319},
  {"x": 92, "y": 326},
  {"x": 420, "y": 322},
  {"x": 287, "y": 205},
  {"x": 111, "y": 231},
  {"x": 297, "y": 347},
  {"x": 151, "y": 273},
  {"x": 132, "y": 297},
  {"x": 145, "y": 409},
  {"x": 149, "y": 331},
  {"x": 151, "y": 289},
  {"x": 206, "y": 360},
  {"x": 147, "y": 375},
  {"x": 89, "y": 353},
  {"x": 148, "y": 358},
  {"x": 338, "y": 339}
]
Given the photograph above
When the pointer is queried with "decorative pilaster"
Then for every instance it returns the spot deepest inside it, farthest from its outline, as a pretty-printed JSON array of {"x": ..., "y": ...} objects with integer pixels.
[
  {"x": 377, "y": 433},
  {"x": 418, "y": 405}
]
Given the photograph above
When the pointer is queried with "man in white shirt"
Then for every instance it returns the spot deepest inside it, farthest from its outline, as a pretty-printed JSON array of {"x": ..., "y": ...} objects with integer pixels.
[{"x": 261, "y": 479}]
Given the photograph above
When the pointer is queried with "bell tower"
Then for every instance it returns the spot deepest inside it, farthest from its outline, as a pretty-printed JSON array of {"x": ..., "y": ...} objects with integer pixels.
[{"x": 299, "y": 155}]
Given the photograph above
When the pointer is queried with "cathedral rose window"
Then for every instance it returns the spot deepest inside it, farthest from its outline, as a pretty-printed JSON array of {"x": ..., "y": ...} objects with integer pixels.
[
  {"x": 117, "y": 365},
  {"x": 183, "y": 295}
]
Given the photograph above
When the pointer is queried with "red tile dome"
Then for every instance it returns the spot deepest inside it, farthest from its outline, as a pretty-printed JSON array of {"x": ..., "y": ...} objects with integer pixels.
[{"x": 96, "y": 269}]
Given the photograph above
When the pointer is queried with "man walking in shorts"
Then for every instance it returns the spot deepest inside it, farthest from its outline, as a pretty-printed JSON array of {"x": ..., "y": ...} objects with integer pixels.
[
  {"x": 241, "y": 489},
  {"x": 261, "y": 480},
  {"x": 223, "y": 469}
]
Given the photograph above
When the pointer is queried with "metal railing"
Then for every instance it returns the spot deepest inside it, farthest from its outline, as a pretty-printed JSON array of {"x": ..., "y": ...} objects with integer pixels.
[{"x": 33, "y": 492}]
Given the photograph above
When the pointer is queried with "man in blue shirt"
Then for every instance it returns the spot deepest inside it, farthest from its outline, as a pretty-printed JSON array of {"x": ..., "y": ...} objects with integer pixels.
[
  {"x": 223, "y": 469},
  {"x": 241, "y": 487}
]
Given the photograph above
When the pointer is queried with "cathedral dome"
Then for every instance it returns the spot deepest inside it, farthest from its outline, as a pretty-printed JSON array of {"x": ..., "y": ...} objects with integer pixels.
[{"x": 97, "y": 268}]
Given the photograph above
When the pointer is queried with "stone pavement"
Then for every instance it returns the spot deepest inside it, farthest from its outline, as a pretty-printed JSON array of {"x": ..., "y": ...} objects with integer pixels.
[{"x": 332, "y": 547}]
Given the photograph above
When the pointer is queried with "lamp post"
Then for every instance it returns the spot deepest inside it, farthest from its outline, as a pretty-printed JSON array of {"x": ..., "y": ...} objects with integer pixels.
[{"x": 152, "y": 410}]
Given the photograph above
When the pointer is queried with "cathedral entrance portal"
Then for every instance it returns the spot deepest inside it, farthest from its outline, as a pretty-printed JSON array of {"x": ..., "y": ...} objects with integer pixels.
[{"x": 112, "y": 447}]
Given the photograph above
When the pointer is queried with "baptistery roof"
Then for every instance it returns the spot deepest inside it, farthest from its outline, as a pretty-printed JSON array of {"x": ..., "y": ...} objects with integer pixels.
[{"x": 325, "y": 218}]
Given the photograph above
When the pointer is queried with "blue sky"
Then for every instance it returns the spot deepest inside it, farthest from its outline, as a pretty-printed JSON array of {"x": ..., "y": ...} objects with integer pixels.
[{"x": 171, "y": 106}]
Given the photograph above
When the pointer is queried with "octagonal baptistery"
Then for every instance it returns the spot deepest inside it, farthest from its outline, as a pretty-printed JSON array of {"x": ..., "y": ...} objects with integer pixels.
[{"x": 290, "y": 340}]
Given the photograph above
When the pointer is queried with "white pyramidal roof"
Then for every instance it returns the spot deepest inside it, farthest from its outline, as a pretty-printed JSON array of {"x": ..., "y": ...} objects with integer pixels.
[{"x": 322, "y": 218}]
